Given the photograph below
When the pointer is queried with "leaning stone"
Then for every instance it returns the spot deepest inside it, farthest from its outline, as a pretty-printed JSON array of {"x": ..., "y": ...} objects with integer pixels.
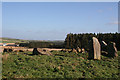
[{"x": 103, "y": 46}]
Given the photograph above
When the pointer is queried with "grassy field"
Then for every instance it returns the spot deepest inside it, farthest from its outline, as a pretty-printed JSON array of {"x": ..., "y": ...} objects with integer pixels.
[
  {"x": 11, "y": 40},
  {"x": 59, "y": 65}
]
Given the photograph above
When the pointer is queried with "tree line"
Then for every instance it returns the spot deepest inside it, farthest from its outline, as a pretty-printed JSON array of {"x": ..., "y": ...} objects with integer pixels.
[
  {"x": 75, "y": 40},
  {"x": 43, "y": 44},
  {"x": 82, "y": 40}
]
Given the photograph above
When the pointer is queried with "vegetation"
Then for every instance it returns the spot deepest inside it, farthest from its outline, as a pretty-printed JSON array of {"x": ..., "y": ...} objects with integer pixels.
[
  {"x": 60, "y": 65},
  {"x": 82, "y": 40},
  {"x": 11, "y": 40},
  {"x": 43, "y": 44}
]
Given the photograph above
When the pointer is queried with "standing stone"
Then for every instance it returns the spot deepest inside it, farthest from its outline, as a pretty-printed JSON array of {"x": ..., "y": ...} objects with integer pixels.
[
  {"x": 112, "y": 50},
  {"x": 103, "y": 45},
  {"x": 103, "y": 48},
  {"x": 94, "y": 49},
  {"x": 97, "y": 48}
]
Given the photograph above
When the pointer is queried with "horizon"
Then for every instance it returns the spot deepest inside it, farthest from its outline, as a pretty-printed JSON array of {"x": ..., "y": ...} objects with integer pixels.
[
  {"x": 54, "y": 20},
  {"x": 55, "y": 40}
]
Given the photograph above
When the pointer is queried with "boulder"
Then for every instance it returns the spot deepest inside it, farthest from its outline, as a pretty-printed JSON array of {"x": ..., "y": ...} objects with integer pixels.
[
  {"x": 66, "y": 50},
  {"x": 83, "y": 50},
  {"x": 94, "y": 49},
  {"x": 63, "y": 50},
  {"x": 78, "y": 50},
  {"x": 44, "y": 50},
  {"x": 74, "y": 50},
  {"x": 21, "y": 50},
  {"x": 37, "y": 51},
  {"x": 112, "y": 50},
  {"x": 7, "y": 50}
]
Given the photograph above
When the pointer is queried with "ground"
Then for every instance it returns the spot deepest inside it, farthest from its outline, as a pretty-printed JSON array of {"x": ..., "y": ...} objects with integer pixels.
[{"x": 59, "y": 65}]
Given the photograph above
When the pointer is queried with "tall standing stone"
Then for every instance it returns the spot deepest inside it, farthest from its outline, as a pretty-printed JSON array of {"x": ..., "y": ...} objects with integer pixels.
[{"x": 95, "y": 49}]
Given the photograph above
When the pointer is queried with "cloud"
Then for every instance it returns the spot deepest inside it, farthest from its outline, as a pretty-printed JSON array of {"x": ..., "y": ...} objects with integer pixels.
[{"x": 113, "y": 23}]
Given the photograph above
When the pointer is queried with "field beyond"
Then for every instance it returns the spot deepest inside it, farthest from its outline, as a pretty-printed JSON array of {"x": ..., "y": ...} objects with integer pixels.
[{"x": 59, "y": 65}]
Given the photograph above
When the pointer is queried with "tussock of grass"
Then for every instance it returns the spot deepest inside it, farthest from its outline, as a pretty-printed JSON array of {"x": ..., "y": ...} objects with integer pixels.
[{"x": 60, "y": 65}]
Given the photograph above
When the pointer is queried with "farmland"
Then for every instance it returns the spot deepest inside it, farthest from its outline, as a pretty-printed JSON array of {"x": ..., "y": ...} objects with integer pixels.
[{"x": 59, "y": 65}]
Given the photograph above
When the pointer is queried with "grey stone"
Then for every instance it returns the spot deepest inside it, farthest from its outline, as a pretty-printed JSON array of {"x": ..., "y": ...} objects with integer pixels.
[
  {"x": 37, "y": 51},
  {"x": 112, "y": 50},
  {"x": 78, "y": 50},
  {"x": 8, "y": 50},
  {"x": 74, "y": 50},
  {"x": 103, "y": 46},
  {"x": 94, "y": 49},
  {"x": 83, "y": 50}
]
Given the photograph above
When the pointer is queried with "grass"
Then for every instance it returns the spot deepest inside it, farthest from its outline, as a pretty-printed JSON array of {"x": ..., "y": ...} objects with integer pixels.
[
  {"x": 11, "y": 40},
  {"x": 59, "y": 65}
]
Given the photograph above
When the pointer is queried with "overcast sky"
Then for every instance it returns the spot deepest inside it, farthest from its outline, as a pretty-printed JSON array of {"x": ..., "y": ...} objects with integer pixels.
[{"x": 53, "y": 21}]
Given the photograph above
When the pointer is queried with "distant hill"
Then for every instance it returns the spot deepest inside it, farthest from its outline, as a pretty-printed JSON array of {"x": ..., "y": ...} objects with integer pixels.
[{"x": 12, "y": 40}]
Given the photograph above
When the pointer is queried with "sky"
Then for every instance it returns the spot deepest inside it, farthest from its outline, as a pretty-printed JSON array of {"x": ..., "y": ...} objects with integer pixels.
[{"x": 54, "y": 20}]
